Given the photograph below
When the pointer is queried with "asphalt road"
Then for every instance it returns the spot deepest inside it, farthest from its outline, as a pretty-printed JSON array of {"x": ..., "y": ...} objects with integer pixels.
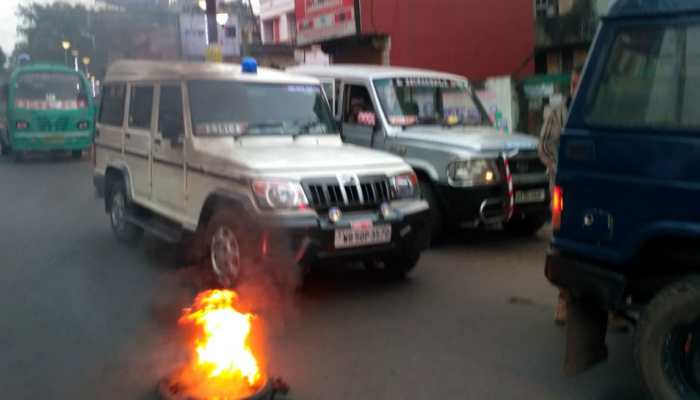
[{"x": 84, "y": 317}]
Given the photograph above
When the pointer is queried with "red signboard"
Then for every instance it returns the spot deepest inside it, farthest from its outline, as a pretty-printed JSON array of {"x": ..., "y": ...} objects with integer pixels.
[{"x": 319, "y": 20}]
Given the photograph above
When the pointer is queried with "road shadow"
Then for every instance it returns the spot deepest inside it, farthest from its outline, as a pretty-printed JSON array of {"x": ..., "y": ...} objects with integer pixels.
[
  {"x": 48, "y": 158},
  {"x": 490, "y": 238},
  {"x": 349, "y": 279}
]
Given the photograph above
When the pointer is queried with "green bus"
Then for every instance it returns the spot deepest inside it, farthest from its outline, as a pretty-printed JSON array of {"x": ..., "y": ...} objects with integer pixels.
[{"x": 46, "y": 108}]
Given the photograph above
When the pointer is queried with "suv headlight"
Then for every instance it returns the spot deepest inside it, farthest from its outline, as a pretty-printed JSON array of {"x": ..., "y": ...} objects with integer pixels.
[
  {"x": 404, "y": 186},
  {"x": 279, "y": 194},
  {"x": 472, "y": 173}
]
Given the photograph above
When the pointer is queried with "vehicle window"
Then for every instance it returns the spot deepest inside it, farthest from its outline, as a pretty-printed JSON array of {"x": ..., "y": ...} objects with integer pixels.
[
  {"x": 170, "y": 120},
  {"x": 357, "y": 101},
  {"x": 330, "y": 93},
  {"x": 50, "y": 90},
  {"x": 140, "y": 106},
  {"x": 237, "y": 108},
  {"x": 428, "y": 101},
  {"x": 112, "y": 108},
  {"x": 649, "y": 79}
]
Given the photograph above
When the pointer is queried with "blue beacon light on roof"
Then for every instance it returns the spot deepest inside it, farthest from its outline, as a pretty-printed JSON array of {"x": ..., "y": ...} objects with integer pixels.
[{"x": 249, "y": 65}]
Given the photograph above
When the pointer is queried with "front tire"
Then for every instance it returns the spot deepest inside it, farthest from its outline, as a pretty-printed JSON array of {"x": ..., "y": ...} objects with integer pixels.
[
  {"x": 435, "y": 218},
  {"x": 120, "y": 207},
  {"x": 228, "y": 254},
  {"x": 667, "y": 343},
  {"x": 77, "y": 154}
]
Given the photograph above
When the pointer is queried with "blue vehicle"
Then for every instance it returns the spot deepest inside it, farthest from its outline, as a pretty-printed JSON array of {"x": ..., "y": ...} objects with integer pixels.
[{"x": 626, "y": 206}]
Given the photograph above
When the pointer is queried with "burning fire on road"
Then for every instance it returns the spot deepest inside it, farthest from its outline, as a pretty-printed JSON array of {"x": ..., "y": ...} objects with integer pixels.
[{"x": 222, "y": 363}]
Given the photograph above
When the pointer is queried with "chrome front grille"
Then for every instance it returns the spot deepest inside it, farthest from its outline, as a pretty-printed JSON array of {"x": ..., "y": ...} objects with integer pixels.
[
  {"x": 526, "y": 163},
  {"x": 357, "y": 193}
]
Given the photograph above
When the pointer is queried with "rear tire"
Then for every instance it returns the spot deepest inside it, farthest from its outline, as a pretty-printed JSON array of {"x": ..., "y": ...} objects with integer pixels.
[
  {"x": 527, "y": 225},
  {"x": 19, "y": 156},
  {"x": 120, "y": 207},
  {"x": 435, "y": 218},
  {"x": 77, "y": 154},
  {"x": 667, "y": 342}
]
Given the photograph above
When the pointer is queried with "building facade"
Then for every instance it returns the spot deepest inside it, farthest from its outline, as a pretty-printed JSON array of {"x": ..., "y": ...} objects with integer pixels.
[
  {"x": 235, "y": 34},
  {"x": 464, "y": 37},
  {"x": 277, "y": 22},
  {"x": 564, "y": 30}
]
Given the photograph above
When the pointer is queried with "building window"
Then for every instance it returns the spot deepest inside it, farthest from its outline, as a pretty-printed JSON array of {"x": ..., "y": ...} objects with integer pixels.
[
  {"x": 292, "y": 27},
  {"x": 546, "y": 8},
  {"x": 276, "y": 30},
  {"x": 267, "y": 31},
  {"x": 230, "y": 31}
]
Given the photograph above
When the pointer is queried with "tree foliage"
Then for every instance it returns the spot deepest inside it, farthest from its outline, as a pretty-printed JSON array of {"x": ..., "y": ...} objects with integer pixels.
[
  {"x": 102, "y": 34},
  {"x": 42, "y": 28}
]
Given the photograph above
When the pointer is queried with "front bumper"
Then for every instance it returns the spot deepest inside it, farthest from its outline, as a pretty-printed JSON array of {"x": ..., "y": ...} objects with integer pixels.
[
  {"x": 592, "y": 282},
  {"x": 312, "y": 238},
  {"x": 473, "y": 206},
  {"x": 47, "y": 141}
]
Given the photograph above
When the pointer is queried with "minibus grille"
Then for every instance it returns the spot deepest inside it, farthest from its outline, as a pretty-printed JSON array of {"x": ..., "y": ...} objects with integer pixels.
[
  {"x": 44, "y": 124},
  {"x": 61, "y": 124}
]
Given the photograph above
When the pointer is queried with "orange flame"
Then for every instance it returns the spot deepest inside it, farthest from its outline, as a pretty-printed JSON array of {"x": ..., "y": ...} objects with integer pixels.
[{"x": 223, "y": 364}]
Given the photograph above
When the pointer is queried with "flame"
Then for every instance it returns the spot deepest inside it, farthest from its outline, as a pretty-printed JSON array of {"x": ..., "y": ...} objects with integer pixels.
[{"x": 223, "y": 364}]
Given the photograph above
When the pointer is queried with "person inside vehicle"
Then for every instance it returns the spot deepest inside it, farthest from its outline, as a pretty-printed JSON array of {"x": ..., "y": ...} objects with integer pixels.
[{"x": 357, "y": 105}]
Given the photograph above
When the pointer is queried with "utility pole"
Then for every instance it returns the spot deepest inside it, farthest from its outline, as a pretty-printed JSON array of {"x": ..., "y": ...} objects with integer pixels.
[{"x": 212, "y": 28}]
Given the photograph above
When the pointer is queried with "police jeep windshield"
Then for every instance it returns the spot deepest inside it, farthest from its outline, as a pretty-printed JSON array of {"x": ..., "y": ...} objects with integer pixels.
[
  {"x": 232, "y": 108},
  {"x": 429, "y": 101}
]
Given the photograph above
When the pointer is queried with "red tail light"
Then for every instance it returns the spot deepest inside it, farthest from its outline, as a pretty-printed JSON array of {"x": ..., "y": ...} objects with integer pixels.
[{"x": 557, "y": 207}]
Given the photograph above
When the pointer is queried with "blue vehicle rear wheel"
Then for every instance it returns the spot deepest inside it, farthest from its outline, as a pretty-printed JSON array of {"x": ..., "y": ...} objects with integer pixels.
[{"x": 667, "y": 345}]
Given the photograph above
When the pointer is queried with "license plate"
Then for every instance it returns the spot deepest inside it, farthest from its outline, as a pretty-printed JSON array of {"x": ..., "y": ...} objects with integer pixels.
[
  {"x": 53, "y": 139},
  {"x": 346, "y": 238},
  {"x": 529, "y": 196}
]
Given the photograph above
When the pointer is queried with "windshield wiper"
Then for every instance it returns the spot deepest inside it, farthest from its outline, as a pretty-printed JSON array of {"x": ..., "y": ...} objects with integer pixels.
[{"x": 305, "y": 126}]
